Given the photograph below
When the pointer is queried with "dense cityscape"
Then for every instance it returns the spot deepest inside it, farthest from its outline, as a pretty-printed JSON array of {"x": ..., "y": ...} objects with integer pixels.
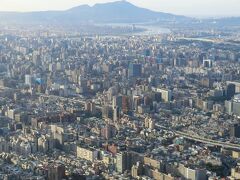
[{"x": 119, "y": 105}]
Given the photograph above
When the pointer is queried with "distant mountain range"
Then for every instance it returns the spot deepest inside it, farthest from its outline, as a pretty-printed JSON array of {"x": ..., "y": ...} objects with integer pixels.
[{"x": 114, "y": 12}]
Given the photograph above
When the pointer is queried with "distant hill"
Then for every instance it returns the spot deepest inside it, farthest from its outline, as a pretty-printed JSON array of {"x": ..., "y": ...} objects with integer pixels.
[
  {"x": 120, "y": 12},
  {"x": 115, "y": 12}
]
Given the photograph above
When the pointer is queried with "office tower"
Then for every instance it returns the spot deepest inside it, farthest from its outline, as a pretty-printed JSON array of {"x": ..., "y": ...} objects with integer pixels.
[
  {"x": 116, "y": 113},
  {"x": 235, "y": 130},
  {"x": 120, "y": 162},
  {"x": 228, "y": 107},
  {"x": 107, "y": 68},
  {"x": 235, "y": 172},
  {"x": 236, "y": 105},
  {"x": 56, "y": 171},
  {"x": 207, "y": 105},
  {"x": 58, "y": 135},
  {"x": 43, "y": 144},
  {"x": 28, "y": 79},
  {"x": 157, "y": 97},
  {"x": 191, "y": 172},
  {"x": 230, "y": 90},
  {"x": 137, "y": 170},
  {"x": 117, "y": 101},
  {"x": 107, "y": 112},
  {"x": 137, "y": 101},
  {"x": 206, "y": 82},
  {"x": 52, "y": 67},
  {"x": 4, "y": 145},
  {"x": 147, "y": 52},
  {"x": 134, "y": 70},
  {"x": 90, "y": 107},
  {"x": 37, "y": 59},
  {"x": 179, "y": 62},
  {"x": 59, "y": 66},
  {"x": 87, "y": 153},
  {"x": 207, "y": 63},
  {"x": 125, "y": 104},
  {"x": 166, "y": 94},
  {"x": 108, "y": 132},
  {"x": 147, "y": 101},
  {"x": 112, "y": 91},
  {"x": 237, "y": 85},
  {"x": 82, "y": 81},
  {"x": 123, "y": 162},
  {"x": 149, "y": 123}
]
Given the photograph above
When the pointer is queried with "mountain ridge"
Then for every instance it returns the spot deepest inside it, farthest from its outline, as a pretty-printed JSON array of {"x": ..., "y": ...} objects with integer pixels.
[{"x": 113, "y": 12}]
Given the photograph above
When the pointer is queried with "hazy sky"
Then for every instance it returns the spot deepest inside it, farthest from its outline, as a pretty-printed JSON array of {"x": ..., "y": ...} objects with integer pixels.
[{"x": 202, "y": 8}]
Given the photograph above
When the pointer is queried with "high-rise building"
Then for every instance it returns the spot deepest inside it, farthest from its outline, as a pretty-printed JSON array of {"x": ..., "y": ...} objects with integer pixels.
[
  {"x": 207, "y": 63},
  {"x": 108, "y": 131},
  {"x": 235, "y": 172},
  {"x": 117, "y": 101},
  {"x": 166, "y": 94},
  {"x": 237, "y": 85},
  {"x": 116, "y": 113},
  {"x": 235, "y": 130},
  {"x": 230, "y": 90},
  {"x": 125, "y": 104},
  {"x": 90, "y": 107},
  {"x": 206, "y": 82},
  {"x": 36, "y": 59},
  {"x": 87, "y": 153},
  {"x": 122, "y": 160},
  {"x": 137, "y": 101},
  {"x": 147, "y": 52},
  {"x": 56, "y": 171},
  {"x": 236, "y": 105},
  {"x": 189, "y": 173},
  {"x": 134, "y": 70},
  {"x": 82, "y": 82},
  {"x": 149, "y": 123},
  {"x": 28, "y": 79},
  {"x": 125, "y": 160},
  {"x": 137, "y": 170},
  {"x": 228, "y": 107},
  {"x": 58, "y": 135},
  {"x": 107, "y": 112}
]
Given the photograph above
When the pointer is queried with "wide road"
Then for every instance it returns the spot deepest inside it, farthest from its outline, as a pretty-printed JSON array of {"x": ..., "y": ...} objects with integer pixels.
[{"x": 203, "y": 140}]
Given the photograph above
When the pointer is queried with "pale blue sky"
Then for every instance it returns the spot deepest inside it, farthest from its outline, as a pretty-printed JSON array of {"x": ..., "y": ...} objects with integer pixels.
[{"x": 202, "y": 8}]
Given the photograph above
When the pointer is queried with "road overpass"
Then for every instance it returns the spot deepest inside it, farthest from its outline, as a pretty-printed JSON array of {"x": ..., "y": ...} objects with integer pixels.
[{"x": 202, "y": 139}]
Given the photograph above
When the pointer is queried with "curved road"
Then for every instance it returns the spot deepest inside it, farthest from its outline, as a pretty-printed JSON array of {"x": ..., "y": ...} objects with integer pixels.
[{"x": 204, "y": 140}]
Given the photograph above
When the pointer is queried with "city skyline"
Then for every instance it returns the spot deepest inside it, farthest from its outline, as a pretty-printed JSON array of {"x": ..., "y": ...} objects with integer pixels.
[
  {"x": 211, "y": 8},
  {"x": 131, "y": 89}
]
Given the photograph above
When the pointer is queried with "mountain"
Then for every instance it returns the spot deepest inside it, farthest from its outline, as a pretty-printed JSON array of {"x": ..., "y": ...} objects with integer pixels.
[
  {"x": 114, "y": 12},
  {"x": 120, "y": 12}
]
